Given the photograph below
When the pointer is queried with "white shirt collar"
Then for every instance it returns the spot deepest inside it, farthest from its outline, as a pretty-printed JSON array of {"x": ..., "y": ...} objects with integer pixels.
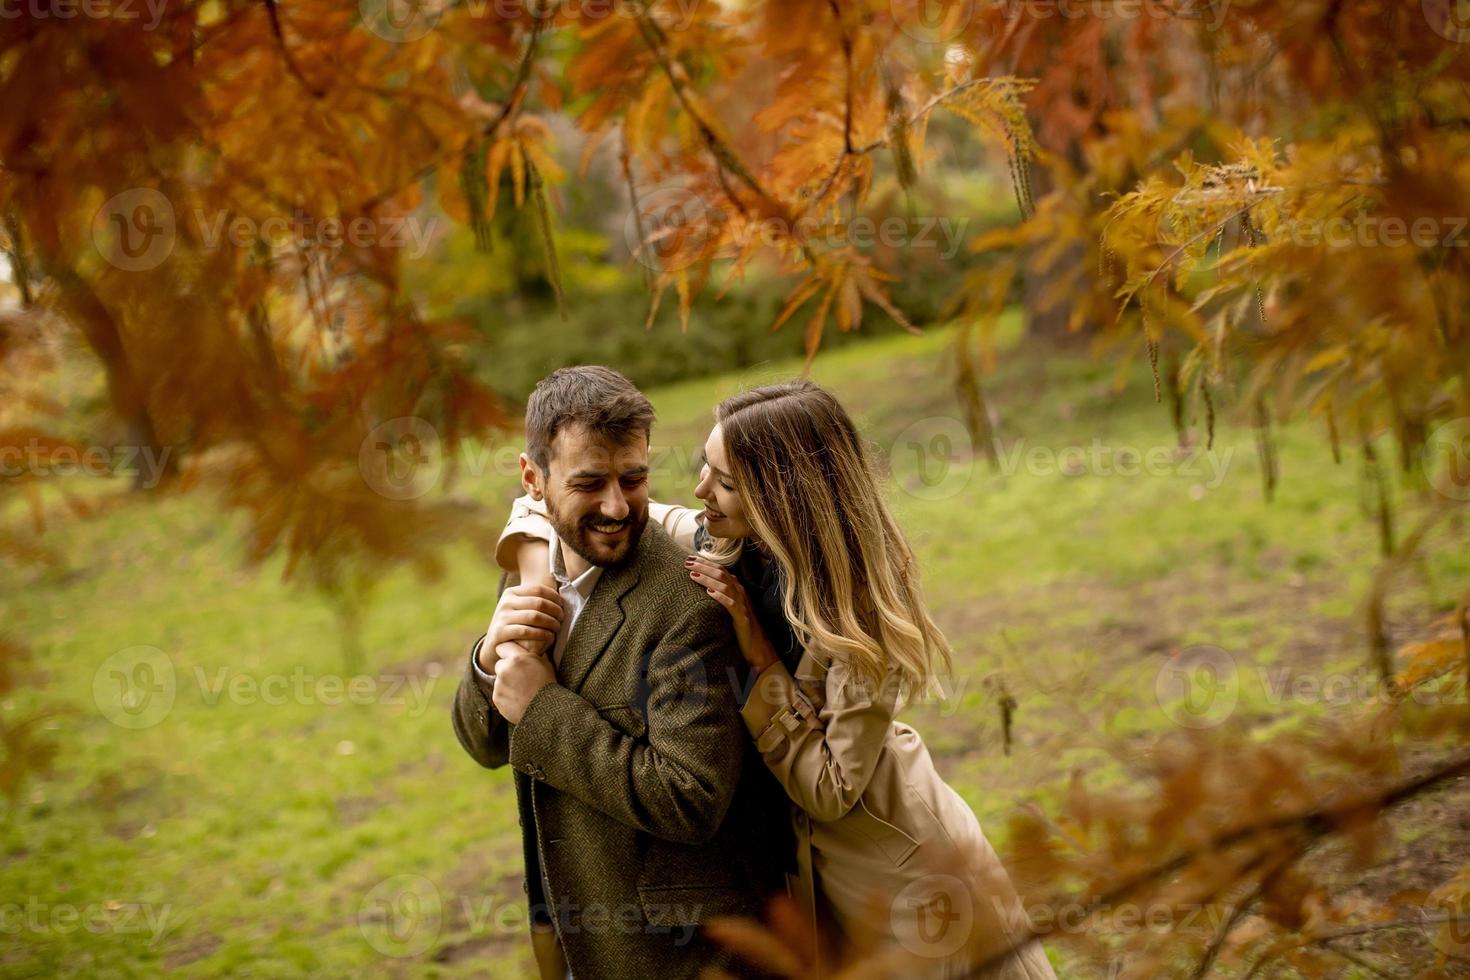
[{"x": 583, "y": 583}]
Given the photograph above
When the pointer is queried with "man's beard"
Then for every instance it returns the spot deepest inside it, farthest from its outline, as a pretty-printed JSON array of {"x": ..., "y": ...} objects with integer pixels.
[{"x": 579, "y": 536}]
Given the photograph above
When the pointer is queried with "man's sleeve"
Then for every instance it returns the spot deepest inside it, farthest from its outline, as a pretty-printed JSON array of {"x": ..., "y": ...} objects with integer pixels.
[
  {"x": 677, "y": 778},
  {"x": 482, "y": 730}
]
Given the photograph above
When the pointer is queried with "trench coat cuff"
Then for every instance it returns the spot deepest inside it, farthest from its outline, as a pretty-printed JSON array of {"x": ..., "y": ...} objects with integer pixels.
[
  {"x": 527, "y": 517},
  {"x": 774, "y": 709}
]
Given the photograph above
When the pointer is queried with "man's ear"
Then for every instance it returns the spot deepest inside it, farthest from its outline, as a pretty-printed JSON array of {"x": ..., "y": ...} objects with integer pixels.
[{"x": 533, "y": 481}]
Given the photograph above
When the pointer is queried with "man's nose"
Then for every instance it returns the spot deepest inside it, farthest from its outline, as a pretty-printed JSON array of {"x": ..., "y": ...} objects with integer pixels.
[{"x": 614, "y": 505}]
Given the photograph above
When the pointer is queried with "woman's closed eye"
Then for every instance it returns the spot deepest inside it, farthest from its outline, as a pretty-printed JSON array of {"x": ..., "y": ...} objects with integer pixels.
[{"x": 704, "y": 472}]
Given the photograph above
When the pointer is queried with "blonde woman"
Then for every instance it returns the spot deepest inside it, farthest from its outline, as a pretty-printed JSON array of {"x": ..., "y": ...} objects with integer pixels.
[{"x": 797, "y": 541}]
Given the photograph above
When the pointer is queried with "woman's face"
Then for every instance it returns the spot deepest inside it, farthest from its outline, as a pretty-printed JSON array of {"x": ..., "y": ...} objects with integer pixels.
[{"x": 724, "y": 514}]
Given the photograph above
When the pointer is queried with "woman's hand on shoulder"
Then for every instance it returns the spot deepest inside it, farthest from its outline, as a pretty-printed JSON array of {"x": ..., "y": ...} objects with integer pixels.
[{"x": 725, "y": 588}]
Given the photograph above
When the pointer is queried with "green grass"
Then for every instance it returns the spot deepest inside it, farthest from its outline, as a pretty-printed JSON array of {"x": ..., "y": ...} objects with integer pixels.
[{"x": 262, "y": 834}]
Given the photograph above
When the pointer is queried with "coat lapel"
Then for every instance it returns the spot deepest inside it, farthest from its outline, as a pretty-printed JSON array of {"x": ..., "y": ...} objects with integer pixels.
[{"x": 596, "y": 624}]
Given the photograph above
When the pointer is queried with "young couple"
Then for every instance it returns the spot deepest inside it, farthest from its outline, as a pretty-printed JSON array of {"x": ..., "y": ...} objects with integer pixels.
[{"x": 699, "y": 705}]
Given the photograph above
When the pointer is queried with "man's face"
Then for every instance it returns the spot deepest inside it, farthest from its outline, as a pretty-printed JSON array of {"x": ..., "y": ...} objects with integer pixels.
[{"x": 597, "y": 494}]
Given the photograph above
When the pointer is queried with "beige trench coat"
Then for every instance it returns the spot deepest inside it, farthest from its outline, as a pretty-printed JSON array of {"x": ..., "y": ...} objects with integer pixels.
[{"x": 886, "y": 849}]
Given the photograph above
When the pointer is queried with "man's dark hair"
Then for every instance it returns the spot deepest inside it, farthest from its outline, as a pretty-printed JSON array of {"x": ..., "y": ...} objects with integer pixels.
[{"x": 597, "y": 397}]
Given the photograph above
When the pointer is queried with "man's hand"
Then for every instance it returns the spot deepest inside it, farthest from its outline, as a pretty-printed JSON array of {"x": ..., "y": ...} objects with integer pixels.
[
  {"x": 517, "y": 679},
  {"x": 527, "y": 615}
]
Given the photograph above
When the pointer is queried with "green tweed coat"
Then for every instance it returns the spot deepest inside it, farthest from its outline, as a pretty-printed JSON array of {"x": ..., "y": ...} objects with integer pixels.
[{"x": 652, "y": 811}]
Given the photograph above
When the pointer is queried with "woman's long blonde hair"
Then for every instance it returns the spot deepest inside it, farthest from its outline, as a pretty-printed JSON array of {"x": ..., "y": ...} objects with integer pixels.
[{"x": 849, "y": 580}]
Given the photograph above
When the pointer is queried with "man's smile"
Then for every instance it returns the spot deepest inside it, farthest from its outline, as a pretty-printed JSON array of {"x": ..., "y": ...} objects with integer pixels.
[{"x": 609, "y": 529}]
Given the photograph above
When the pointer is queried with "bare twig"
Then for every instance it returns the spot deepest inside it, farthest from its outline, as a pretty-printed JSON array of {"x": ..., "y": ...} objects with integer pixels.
[{"x": 275, "y": 17}]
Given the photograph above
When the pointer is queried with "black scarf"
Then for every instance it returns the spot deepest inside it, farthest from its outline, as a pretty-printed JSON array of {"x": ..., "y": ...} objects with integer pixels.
[{"x": 761, "y": 579}]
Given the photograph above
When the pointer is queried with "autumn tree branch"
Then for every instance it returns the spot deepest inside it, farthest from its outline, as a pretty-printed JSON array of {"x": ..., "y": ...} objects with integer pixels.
[{"x": 1308, "y": 827}]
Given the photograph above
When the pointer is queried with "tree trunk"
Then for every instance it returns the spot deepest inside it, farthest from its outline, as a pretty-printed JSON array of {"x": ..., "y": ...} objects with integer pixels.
[
  {"x": 125, "y": 392},
  {"x": 1050, "y": 324}
]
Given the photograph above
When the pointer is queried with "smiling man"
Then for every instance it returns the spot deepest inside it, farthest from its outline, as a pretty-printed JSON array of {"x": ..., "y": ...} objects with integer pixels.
[
  {"x": 637, "y": 802},
  {"x": 597, "y": 497}
]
